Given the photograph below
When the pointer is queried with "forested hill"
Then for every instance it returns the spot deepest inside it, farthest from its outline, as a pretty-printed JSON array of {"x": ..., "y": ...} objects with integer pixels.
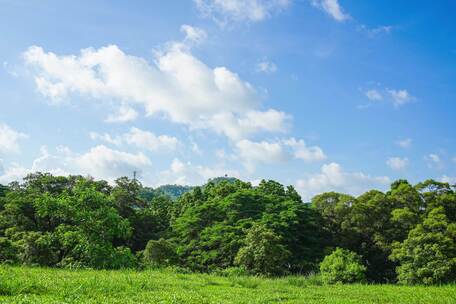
[{"x": 405, "y": 235}]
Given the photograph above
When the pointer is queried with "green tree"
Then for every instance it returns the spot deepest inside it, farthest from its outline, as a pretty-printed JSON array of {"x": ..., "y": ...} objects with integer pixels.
[
  {"x": 428, "y": 255},
  {"x": 263, "y": 252},
  {"x": 342, "y": 266},
  {"x": 159, "y": 253}
]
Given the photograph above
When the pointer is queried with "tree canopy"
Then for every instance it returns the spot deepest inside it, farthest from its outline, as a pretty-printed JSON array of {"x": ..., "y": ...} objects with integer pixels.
[{"x": 405, "y": 235}]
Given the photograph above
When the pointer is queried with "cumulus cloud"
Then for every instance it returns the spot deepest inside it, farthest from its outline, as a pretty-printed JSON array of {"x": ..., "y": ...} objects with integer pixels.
[
  {"x": 265, "y": 152},
  {"x": 224, "y": 11},
  {"x": 150, "y": 141},
  {"x": 105, "y": 137},
  {"x": 185, "y": 173},
  {"x": 100, "y": 162},
  {"x": 400, "y": 97},
  {"x": 434, "y": 161},
  {"x": 176, "y": 85},
  {"x": 267, "y": 67},
  {"x": 373, "y": 95},
  {"x": 397, "y": 163},
  {"x": 302, "y": 151},
  {"x": 332, "y": 8},
  {"x": 448, "y": 179},
  {"x": 139, "y": 138},
  {"x": 193, "y": 34},
  {"x": 9, "y": 139},
  {"x": 123, "y": 114},
  {"x": 332, "y": 177},
  {"x": 404, "y": 143}
]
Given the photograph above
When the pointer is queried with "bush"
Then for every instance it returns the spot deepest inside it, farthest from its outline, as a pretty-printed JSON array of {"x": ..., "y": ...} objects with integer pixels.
[
  {"x": 159, "y": 253},
  {"x": 342, "y": 266},
  {"x": 263, "y": 253}
]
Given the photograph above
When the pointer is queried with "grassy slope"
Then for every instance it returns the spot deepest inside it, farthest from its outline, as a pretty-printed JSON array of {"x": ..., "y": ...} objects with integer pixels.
[{"x": 37, "y": 285}]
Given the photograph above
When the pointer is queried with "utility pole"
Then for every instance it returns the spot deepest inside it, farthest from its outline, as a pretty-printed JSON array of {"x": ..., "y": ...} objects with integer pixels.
[{"x": 134, "y": 176}]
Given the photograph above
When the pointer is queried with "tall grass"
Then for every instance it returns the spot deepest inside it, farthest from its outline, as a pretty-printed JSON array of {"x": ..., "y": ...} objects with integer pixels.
[{"x": 42, "y": 285}]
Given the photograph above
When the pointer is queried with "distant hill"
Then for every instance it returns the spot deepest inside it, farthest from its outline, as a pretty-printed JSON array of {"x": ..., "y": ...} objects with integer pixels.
[{"x": 175, "y": 191}]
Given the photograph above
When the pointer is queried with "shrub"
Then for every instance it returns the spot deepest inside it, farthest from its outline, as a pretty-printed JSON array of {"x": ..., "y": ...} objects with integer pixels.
[
  {"x": 342, "y": 266},
  {"x": 263, "y": 253},
  {"x": 159, "y": 253}
]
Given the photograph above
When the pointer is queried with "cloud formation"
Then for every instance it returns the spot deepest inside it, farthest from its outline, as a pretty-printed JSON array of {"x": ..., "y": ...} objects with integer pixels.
[
  {"x": 176, "y": 85},
  {"x": 9, "y": 139},
  {"x": 332, "y": 8},
  {"x": 332, "y": 177},
  {"x": 100, "y": 162},
  {"x": 224, "y": 11},
  {"x": 397, "y": 163},
  {"x": 252, "y": 153}
]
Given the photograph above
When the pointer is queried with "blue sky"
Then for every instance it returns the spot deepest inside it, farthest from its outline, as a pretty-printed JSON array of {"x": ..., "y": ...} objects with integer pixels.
[{"x": 321, "y": 94}]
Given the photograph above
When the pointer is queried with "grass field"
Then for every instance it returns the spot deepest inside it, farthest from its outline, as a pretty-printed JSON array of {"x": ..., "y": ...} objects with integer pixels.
[{"x": 38, "y": 285}]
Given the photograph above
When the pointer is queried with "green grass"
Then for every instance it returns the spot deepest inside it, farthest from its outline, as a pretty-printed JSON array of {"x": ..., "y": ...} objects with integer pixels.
[{"x": 41, "y": 285}]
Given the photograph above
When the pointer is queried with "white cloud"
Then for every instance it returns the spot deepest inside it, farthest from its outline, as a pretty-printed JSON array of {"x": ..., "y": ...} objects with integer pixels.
[
  {"x": 373, "y": 95},
  {"x": 454, "y": 159},
  {"x": 434, "y": 161},
  {"x": 223, "y": 11},
  {"x": 332, "y": 8},
  {"x": 12, "y": 173},
  {"x": 260, "y": 152},
  {"x": 123, "y": 114},
  {"x": 182, "y": 173},
  {"x": 176, "y": 85},
  {"x": 193, "y": 34},
  {"x": 237, "y": 127},
  {"x": 400, "y": 97},
  {"x": 397, "y": 163},
  {"x": 100, "y": 162},
  {"x": 139, "y": 138},
  {"x": 373, "y": 32},
  {"x": 302, "y": 151},
  {"x": 150, "y": 141},
  {"x": 448, "y": 179},
  {"x": 252, "y": 153},
  {"x": 117, "y": 141},
  {"x": 404, "y": 143},
  {"x": 332, "y": 177},
  {"x": 266, "y": 67},
  {"x": 9, "y": 139}
]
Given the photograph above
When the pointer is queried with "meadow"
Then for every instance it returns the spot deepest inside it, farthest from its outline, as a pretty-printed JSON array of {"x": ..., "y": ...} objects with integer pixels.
[{"x": 50, "y": 285}]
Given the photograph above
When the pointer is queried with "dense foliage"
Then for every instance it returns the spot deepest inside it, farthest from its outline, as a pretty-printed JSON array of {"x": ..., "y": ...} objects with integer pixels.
[
  {"x": 342, "y": 266},
  {"x": 406, "y": 235}
]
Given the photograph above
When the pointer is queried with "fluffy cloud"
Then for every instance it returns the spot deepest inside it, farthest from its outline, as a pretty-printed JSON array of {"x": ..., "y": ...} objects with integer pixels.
[
  {"x": 397, "y": 163},
  {"x": 434, "y": 161},
  {"x": 176, "y": 86},
  {"x": 448, "y": 179},
  {"x": 373, "y": 95},
  {"x": 181, "y": 173},
  {"x": 302, "y": 151},
  {"x": 123, "y": 114},
  {"x": 150, "y": 141},
  {"x": 252, "y": 153},
  {"x": 139, "y": 138},
  {"x": 266, "y": 67},
  {"x": 223, "y": 11},
  {"x": 9, "y": 139},
  {"x": 332, "y": 8},
  {"x": 193, "y": 34},
  {"x": 332, "y": 177},
  {"x": 100, "y": 162},
  {"x": 404, "y": 143},
  {"x": 400, "y": 97}
]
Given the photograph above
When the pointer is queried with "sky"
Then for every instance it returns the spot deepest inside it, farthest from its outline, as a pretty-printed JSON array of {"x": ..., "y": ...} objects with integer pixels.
[{"x": 324, "y": 95}]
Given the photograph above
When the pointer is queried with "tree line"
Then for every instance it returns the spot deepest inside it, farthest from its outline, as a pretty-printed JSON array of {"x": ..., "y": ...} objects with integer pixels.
[{"x": 405, "y": 235}]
